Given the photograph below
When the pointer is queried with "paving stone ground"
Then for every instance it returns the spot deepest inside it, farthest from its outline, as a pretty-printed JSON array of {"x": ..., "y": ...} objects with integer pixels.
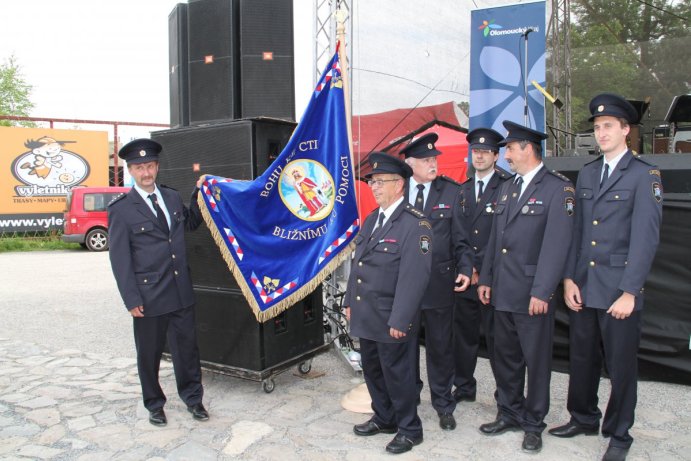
[{"x": 69, "y": 391}]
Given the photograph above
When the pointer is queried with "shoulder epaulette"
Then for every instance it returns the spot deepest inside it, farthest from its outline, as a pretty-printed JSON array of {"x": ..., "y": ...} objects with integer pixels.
[
  {"x": 414, "y": 211},
  {"x": 642, "y": 160},
  {"x": 451, "y": 180},
  {"x": 168, "y": 187},
  {"x": 594, "y": 160},
  {"x": 502, "y": 173},
  {"x": 559, "y": 175},
  {"x": 117, "y": 198},
  {"x": 468, "y": 180}
]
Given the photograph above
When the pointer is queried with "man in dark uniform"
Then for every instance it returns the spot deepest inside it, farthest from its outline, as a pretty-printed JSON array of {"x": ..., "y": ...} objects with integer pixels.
[
  {"x": 523, "y": 264},
  {"x": 390, "y": 271},
  {"x": 438, "y": 197},
  {"x": 149, "y": 262},
  {"x": 617, "y": 231},
  {"x": 479, "y": 197}
]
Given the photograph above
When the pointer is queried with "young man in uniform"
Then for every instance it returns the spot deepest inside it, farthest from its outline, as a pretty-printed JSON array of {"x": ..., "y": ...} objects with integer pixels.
[
  {"x": 616, "y": 235},
  {"x": 479, "y": 197}
]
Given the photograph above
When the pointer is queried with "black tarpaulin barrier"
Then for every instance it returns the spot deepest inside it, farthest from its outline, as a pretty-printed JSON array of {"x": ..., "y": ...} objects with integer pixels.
[{"x": 664, "y": 353}]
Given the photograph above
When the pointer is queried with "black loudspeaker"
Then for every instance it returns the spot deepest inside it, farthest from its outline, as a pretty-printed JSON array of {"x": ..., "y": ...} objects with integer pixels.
[
  {"x": 177, "y": 59},
  {"x": 267, "y": 75},
  {"x": 213, "y": 58},
  {"x": 228, "y": 332},
  {"x": 240, "y": 149}
]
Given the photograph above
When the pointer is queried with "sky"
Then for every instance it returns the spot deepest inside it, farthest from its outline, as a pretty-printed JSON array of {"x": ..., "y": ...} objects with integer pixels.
[{"x": 108, "y": 60}]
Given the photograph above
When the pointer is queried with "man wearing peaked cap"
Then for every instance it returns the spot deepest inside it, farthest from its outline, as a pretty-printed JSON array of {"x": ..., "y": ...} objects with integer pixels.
[
  {"x": 390, "y": 271},
  {"x": 516, "y": 132},
  {"x": 140, "y": 151},
  {"x": 617, "y": 231},
  {"x": 438, "y": 197},
  {"x": 479, "y": 197},
  {"x": 613, "y": 105},
  {"x": 521, "y": 270},
  {"x": 149, "y": 262}
]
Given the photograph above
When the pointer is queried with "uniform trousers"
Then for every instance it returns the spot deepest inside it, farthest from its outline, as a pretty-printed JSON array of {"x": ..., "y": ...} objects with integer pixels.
[
  {"x": 389, "y": 371},
  {"x": 439, "y": 356},
  {"x": 523, "y": 342},
  {"x": 149, "y": 337},
  {"x": 620, "y": 340},
  {"x": 469, "y": 316}
]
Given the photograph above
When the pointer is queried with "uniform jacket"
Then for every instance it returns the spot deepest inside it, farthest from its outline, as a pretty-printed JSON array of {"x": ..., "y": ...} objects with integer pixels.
[
  {"x": 451, "y": 253},
  {"x": 477, "y": 218},
  {"x": 529, "y": 242},
  {"x": 617, "y": 230},
  {"x": 150, "y": 266},
  {"x": 389, "y": 274}
]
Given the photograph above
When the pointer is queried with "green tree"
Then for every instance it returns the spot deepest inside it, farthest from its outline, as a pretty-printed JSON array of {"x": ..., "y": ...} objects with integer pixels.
[
  {"x": 638, "y": 49},
  {"x": 14, "y": 94}
]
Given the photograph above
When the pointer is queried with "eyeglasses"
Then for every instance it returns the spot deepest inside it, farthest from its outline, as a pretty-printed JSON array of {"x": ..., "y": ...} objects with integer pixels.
[{"x": 379, "y": 182}]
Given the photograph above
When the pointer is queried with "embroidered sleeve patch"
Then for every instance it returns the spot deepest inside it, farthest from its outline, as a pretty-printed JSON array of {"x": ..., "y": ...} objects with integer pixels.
[
  {"x": 570, "y": 205},
  {"x": 425, "y": 244},
  {"x": 657, "y": 192}
]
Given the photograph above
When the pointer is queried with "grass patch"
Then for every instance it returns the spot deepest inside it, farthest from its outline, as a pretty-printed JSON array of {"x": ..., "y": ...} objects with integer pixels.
[{"x": 38, "y": 243}]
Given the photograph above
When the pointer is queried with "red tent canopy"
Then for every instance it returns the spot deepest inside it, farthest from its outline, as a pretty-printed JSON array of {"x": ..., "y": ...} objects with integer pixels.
[{"x": 393, "y": 130}]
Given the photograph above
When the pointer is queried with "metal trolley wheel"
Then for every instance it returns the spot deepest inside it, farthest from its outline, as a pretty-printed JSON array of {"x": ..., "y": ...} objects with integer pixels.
[
  {"x": 268, "y": 385},
  {"x": 305, "y": 367}
]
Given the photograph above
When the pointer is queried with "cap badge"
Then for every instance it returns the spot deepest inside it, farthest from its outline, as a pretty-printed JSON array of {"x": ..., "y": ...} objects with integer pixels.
[
  {"x": 600, "y": 108},
  {"x": 375, "y": 165},
  {"x": 482, "y": 140},
  {"x": 430, "y": 146},
  {"x": 142, "y": 153}
]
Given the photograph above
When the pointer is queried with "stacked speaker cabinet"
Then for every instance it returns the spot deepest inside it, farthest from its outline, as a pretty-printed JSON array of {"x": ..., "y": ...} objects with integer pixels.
[
  {"x": 239, "y": 59},
  {"x": 267, "y": 77},
  {"x": 177, "y": 59},
  {"x": 228, "y": 333}
]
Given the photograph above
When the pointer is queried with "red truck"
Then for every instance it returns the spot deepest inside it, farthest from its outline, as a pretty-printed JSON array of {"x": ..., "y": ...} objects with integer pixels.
[{"x": 86, "y": 216}]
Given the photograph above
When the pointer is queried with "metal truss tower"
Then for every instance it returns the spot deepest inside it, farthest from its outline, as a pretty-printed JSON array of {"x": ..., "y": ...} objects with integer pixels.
[
  {"x": 324, "y": 33},
  {"x": 559, "y": 45}
]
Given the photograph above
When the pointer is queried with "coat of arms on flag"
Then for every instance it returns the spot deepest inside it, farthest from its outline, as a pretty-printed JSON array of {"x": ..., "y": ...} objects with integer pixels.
[{"x": 284, "y": 232}]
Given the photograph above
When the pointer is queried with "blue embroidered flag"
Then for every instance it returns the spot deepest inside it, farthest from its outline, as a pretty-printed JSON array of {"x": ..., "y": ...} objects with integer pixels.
[{"x": 284, "y": 232}]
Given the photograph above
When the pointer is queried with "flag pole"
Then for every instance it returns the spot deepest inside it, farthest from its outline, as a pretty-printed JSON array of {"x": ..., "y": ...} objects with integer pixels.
[{"x": 345, "y": 72}]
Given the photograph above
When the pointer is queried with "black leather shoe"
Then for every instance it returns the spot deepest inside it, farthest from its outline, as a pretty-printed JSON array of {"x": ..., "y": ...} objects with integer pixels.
[
  {"x": 157, "y": 417},
  {"x": 571, "y": 429},
  {"x": 372, "y": 428},
  {"x": 402, "y": 443},
  {"x": 615, "y": 454},
  {"x": 458, "y": 397},
  {"x": 198, "y": 412},
  {"x": 497, "y": 427},
  {"x": 447, "y": 421},
  {"x": 532, "y": 442}
]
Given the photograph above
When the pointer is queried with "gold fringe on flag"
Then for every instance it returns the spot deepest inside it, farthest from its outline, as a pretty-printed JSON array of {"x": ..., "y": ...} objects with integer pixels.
[{"x": 248, "y": 291}]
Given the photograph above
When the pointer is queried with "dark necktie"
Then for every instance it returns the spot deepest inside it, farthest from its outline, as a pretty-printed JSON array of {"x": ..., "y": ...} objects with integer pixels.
[
  {"x": 380, "y": 223},
  {"x": 420, "y": 199},
  {"x": 159, "y": 213},
  {"x": 605, "y": 175},
  {"x": 480, "y": 184},
  {"x": 515, "y": 191}
]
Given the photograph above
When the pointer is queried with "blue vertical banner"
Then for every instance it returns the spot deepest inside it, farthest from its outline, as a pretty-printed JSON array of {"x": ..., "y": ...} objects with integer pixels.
[{"x": 498, "y": 65}]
